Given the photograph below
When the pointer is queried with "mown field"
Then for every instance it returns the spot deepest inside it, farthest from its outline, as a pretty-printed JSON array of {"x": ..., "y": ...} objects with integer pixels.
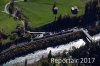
[
  {"x": 7, "y": 23},
  {"x": 39, "y": 12}
]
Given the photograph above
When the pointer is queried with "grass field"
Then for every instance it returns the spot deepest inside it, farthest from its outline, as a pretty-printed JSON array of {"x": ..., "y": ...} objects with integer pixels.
[
  {"x": 6, "y": 23},
  {"x": 39, "y": 12}
]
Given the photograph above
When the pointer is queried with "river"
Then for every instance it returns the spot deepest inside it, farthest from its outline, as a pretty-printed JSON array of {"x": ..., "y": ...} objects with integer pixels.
[{"x": 37, "y": 55}]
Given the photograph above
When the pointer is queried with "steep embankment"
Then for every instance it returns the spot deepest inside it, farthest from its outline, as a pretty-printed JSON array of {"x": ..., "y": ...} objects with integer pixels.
[{"x": 38, "y": 44}]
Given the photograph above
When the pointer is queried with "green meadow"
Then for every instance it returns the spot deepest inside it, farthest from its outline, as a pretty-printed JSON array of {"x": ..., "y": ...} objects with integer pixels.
[{"x": 39, "y": 12}]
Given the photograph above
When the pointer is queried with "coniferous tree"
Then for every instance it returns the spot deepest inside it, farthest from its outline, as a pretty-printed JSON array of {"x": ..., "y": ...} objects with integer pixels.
[{"x": 49, "y": 56}]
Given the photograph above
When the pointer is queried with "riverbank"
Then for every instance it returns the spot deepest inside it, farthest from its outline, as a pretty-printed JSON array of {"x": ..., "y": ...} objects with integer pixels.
[
  {"x": 37, "y": 45},
  {"x": 42, "y": 44},
  {"x": 39, "y": 56}
]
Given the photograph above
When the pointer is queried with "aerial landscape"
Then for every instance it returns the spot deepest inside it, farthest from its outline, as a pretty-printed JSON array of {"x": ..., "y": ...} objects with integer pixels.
[{"x": 49, "y": 32}]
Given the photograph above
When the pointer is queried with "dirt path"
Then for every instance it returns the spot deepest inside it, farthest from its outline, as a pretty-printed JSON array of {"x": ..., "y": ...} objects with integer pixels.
[{"x": 5, "y": 8}]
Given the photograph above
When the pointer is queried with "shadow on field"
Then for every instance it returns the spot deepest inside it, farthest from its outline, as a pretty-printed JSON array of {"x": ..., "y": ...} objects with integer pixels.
[{"x": 63, "y": 22}]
